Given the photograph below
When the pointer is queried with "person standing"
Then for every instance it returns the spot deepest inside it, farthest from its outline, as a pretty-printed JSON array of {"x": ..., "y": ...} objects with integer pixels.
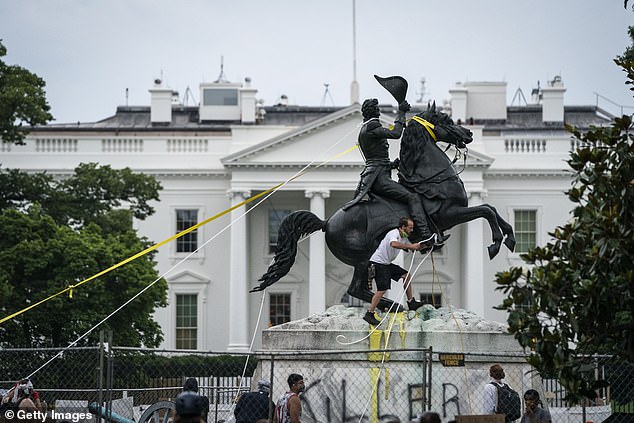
[
  {"x": 191, "y": 385},
  {"x": 289, "y": 407},
  {"x": 253, "y": 406},
  {"x": 534, "y": 411},
  {"x": 189, "y": 408},
  {"x": 386, "y": 271},
  {"x": 499, "y": 398}
]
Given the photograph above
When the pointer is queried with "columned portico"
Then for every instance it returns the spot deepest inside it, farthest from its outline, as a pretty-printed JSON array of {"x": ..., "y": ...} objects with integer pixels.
[
  {"x": 317, "y": 261},
  {"x": 238, "y": 287},
  {"x": 473, "y": 298}
]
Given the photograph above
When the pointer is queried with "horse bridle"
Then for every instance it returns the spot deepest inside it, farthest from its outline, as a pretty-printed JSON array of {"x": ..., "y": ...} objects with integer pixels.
[{"x": 430, "y": 128}]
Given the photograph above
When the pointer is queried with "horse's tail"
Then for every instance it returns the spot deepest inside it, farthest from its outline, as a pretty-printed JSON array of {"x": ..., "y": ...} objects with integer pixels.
[{"x": 293, "y": 227}]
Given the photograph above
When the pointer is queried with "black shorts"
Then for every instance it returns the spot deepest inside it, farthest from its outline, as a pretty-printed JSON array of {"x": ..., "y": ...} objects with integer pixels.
[{"x": 385, "y": 273}]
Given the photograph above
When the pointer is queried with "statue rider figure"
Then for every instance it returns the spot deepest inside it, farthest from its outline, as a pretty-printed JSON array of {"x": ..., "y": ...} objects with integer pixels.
[{"x": 376, "y": 177}]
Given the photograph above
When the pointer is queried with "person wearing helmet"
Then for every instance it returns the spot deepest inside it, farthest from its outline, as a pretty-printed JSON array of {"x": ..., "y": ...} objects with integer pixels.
[
  {"x": 189, "y": 408},
  {"x": 256, "y": 405},
  {"x": 191, "y": 385}
]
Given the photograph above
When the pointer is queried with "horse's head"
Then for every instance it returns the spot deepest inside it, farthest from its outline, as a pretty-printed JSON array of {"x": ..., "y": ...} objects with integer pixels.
[
  {"x": 442, "y": 128},
  {"x": 420, "y": 158}
]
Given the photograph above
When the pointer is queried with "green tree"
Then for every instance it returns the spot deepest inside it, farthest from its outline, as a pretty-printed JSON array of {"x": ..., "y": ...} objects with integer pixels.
[
  {"x": 56, "y": 233},
  {"x": 577, "y": 299},
  {"x": 22, "y": 100}
]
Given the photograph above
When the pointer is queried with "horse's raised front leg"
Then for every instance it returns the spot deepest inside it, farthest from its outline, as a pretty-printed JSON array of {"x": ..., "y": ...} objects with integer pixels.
[
  {"x": 452, "y": 216},
  {"x": 359, "y": 289},
  {"x": 507, "y": 230}
]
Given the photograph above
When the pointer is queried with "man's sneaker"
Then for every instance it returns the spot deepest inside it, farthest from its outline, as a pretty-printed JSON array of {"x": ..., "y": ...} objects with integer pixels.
[
  {"x": 369, "y": 317},
  {"x": 414, "y": 305}
]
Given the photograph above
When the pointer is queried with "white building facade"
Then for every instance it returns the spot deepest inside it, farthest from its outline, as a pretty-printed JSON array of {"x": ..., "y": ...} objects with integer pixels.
[{"x": 228, "y": 149}]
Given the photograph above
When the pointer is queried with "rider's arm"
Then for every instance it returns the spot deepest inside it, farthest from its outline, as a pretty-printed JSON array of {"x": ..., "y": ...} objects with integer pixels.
[{"x": 395, "y": 131}]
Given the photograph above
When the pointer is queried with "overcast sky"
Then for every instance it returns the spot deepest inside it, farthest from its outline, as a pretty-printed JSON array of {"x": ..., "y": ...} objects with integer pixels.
[{"x": 90, "y": 51}]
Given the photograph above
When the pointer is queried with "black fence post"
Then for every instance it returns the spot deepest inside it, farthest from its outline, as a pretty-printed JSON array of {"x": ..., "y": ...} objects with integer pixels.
[{"x": 100, "y": 376}]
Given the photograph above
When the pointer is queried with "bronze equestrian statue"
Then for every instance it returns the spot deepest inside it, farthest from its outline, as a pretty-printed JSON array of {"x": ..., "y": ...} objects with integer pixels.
[
  {"x": 376, "y": 177},
  {"x": 353, "y": 232}
]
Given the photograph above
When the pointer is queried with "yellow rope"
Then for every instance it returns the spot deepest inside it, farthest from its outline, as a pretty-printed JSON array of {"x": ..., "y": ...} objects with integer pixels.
[
  {"x": 427, "y": 125},
  {"x": 70, "y": 288}
]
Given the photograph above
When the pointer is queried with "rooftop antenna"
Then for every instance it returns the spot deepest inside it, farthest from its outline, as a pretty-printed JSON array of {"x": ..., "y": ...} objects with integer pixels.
[
  {"x": 127, "y": 92},
  {"x": 222, "y": 78},
  {"x": 187, "y": 96},
  {"x": 519, "y": 95},
  {"x": 422, "y": 92},
  {"x": 354, "y": 85},
  {"x": 327, "y": 94}
]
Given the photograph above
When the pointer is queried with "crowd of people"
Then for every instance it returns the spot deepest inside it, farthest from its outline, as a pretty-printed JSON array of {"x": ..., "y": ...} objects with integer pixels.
[
  {"x": 500, "y": 398},
  {"x": 251, "y": 407},
  {"x": 258, "y": 407}
]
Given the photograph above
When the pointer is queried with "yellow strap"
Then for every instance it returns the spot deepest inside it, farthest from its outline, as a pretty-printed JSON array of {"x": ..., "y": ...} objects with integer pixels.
[
  {"x": 70, "y": 288},
  {"x": 428, "y": 125}
]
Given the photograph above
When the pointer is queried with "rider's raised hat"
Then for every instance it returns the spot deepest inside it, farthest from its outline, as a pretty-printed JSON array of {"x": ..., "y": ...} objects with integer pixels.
[{"x": 396, "y": 85}]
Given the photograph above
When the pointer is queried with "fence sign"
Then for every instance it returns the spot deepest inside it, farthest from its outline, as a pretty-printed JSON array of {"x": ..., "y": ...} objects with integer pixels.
[{"x": 451, "y": 360}]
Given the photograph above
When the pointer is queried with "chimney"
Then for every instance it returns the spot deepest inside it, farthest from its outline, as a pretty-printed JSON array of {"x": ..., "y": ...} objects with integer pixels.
[
  {"x": 553, "y": 101},
  {"x": 478, "y": 100},
  {"x": 247, "y": 102},
  {"x": 161, "y": 103},
  {"x": 458, "y": 102}
]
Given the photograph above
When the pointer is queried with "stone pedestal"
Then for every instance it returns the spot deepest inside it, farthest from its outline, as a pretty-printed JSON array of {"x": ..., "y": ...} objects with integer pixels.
[
  {"x": 344, "y": 377},
  {"x": 443, "y": 330}
]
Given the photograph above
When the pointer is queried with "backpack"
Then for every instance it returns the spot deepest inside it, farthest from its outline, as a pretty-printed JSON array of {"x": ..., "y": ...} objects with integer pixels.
[{"x": 509, "y": 402}]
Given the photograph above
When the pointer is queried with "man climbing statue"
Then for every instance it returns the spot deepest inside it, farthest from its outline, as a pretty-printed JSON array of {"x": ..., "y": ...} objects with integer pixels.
[{"x": 376, "y": 177}]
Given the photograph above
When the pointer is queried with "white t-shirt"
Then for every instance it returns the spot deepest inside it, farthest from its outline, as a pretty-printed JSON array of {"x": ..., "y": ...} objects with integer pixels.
[
  {"x": 490, "y": 397},
  {"x": 385, "y": 253}
]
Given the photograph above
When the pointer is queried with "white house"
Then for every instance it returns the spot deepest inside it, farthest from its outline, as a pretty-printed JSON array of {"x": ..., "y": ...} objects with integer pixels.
[{"x": 229, "y": 148}]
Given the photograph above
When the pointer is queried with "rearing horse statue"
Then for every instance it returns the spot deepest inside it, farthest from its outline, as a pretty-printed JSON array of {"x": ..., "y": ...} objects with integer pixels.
[{"x": 352, "y": 235}]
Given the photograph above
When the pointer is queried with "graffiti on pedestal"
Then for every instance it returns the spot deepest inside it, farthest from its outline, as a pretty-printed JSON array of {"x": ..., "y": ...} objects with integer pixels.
[{"x": 329, "y": 401}]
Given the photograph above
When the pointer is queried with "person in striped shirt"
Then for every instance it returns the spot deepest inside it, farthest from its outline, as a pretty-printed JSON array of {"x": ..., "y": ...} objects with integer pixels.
[{"x": 289, "y": 407}]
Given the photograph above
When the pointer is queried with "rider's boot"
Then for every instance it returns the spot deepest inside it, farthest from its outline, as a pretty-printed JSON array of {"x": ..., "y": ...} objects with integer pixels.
[
  {"x": 422, "y": 232},
  {"x": 433, "y": 242},
  {"x": 425, "y": 237}
]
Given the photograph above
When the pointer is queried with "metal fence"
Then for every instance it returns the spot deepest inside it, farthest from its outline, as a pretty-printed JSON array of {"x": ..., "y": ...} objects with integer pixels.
[{"x": 377, "y": 386}]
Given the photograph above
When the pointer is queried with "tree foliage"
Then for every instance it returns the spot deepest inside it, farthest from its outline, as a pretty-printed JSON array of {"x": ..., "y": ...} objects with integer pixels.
[
  {"x": 56, "y": 233},
  {"x": 577, "y": 299},
  {"x": 22, "y": 100},
  {"x": 89, "y": 196}
]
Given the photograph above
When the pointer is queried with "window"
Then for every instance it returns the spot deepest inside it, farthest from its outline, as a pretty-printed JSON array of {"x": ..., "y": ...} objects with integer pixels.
[
  {"x": 186, "y": 218},
  {"x": 279, "y": 309},
  {"x": 275, "y": 219},
  {"x": 220, "y": 97},
  {"x": 525, "y": 230},
  {"x": 186, "y": 321},
  {"x": 433, "y": 299}
]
